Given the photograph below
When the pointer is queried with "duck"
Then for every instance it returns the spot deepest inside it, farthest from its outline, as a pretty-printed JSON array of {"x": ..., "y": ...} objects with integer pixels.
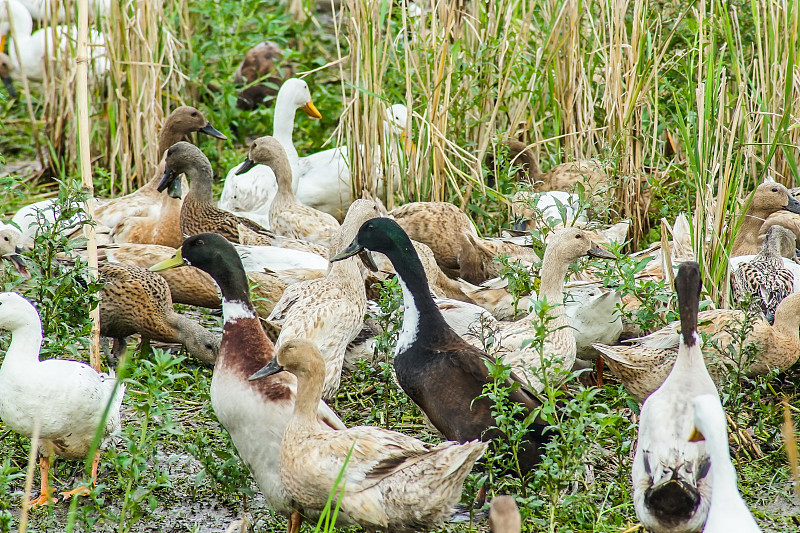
[
  {"x": 442, "y": 373},
  {"x": 135, "y": 300},
  {"x": 35, "y": 48},
  {"x": 764, "y": 277},
  {"x": 287, "y": 216},
  {"x": 329, "y": 311},
  {"x": 28, "y": 387},
  {"x": 10, "y": 246},
  {"x": 255, "y": 413},
  {"x": 504, "y": 515},
  {"x": 767, "y": 198},
  {"x": 564, "y": 247},
  {"x": 644, "y": 365},
  {"x": 249, "y": 237},
  {"x": 252, "y": 195},
  {"x": 43, "y": 9},
  {"x": 5, "y": 75},
  {"x": 199, "y": 213},
  {"x": 385, "y": 480},
  {"x": 671, "y": 485},
  {"x": 728, "y": 512},
  {"x": 459, "y": 251},
  {"x": 259, "y": 73}
]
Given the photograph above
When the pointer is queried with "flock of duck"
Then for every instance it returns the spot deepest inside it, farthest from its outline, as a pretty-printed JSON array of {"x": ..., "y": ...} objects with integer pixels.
[{"x": 290, "y": 226}]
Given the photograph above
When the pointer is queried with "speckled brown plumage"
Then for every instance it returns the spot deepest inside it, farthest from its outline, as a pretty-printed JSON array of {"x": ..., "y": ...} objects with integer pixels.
[{"x": 134, "y": 300}]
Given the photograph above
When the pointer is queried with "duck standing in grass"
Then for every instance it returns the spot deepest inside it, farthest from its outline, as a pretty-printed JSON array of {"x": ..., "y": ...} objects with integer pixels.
[
  {"x": 287, "y": 216},
  {"x": 65, "y": 399},
  {"x": 671, "y": 485},
  {"x": 439, "y": 370},
  {"x": 389, "y": 481},
  {"x": 329, "y": 311},
  {"x": 255, "y": 413},
  {"x": 728, "y": 512}
]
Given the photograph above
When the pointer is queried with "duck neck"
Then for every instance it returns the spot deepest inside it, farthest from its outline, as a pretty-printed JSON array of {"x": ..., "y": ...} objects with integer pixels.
[
  {"x": 283, "y": 175},
  {"x": 419, "y": 307},
  {"x": 309, "y": 392},
  {"x": 787, "y": 318},
  {"x": 723, "y": 473},
  {"x": 283, "y": 125},
  {"x": 552, "y": 288},
  {"x": 170, "y": 134},
  {"x": 347, "y": 273},
  {"x": 23, "y": 22},
  {"x": 200, "y": 178},
  {"x": 748, "y": 232},
  {"x": 26, "y": 342}
]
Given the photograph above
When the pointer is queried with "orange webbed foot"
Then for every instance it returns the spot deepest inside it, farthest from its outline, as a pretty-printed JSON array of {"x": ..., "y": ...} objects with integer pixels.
[{"x": 44, "y": 498}]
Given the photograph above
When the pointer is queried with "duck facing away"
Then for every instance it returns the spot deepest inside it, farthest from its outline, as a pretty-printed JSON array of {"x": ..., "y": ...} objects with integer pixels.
[
  {"x": 66, "y": 399},
  {"x": 504, "y": 515},
  {"x": 671, "y": 486},
  {"x": 644, "y": 366},
  {"x": 199, "y": 214},
  {"x": 439, "y": 370},
  {"x": 391, "y": 481},
  {"x": 768, "y": 198},
  {"x": 728, "y": 511},
  {"x": 287, "y": 216},
  {"x": 255, "y": 413}
]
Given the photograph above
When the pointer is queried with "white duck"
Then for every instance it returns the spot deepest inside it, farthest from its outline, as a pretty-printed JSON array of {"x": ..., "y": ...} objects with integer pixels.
[
  {"x": 43, "y": 9},
  {"x": 36, "y": 48},
  {"x": 66, "y": 399},
  {"x": 251, "y": 195},
  {"x": 728, "y": 511},
  {"x": 671, "y": 486}
]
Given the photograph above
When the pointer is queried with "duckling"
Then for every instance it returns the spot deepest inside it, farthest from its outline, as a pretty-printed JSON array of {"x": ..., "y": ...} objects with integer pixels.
[
  {"x": 440, "y": 371},
  {"x": 671, "y": 486},
  {"x": 728, "y": 511},
  {"x": 199, "y": 214},
  {"x": 391, "y": 482},
  {"x": 287, "y": 216},
  {"x": 329, "y": 311},
  {"x": 504, "y": 516},
  {"x": 765, "y": 277},
  {"x": 768, "y": 198},
  {"x": 643, "y": 366},
  {"x": 255, "y": 413},
  {"x": 65, "y": 399},
  {"x": 253, "y": 194},
  {"x": 134, "y": 300},
  {"x": 260, "y": 63}
]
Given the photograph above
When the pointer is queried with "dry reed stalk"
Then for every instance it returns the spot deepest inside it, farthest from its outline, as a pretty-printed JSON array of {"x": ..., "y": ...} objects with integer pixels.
[
  {"x": 29, "y": 473},
  {"x": 790, "y": 443}
]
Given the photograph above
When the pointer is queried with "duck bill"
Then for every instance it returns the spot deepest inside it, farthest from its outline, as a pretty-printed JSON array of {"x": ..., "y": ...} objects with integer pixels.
[
  {"x": 350, "y": 251},
  {"x": 272, "y": 368},
  {"x": 793, "y": 206},
  {"x": 3, "y": 42},
  {"x": 407, "y": 142},
  {"x": 311, "y": 111},
  {"x": 174, "y": 261},
  {"x": 208, "y": 129},
  {"x": 247, "y": 165},
  {"x": 696, "y": 436},
  {"x": 18, "y": 263},
  {"x": 170, "y": 176},
  {"x": 7, "y": 81},
  {"x": 600, "y": 253}
]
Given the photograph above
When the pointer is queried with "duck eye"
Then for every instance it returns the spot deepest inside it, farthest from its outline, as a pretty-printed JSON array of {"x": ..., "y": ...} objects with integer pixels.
[
  {"x": 774, "y": 189},
  {"x": 199, "y": 242},
  {"x": 194, "y": 113},
  {"x": 577, "y": 235}
]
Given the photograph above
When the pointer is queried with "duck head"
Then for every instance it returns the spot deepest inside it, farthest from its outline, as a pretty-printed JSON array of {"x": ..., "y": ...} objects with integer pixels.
[
  {"x": 181, "y": 156},
  {"x": 570, "y": 244},
  {"x": 380, "y": 234},
  {"x": 298, "y": 356},
  {"x": 187, "y": 119},
  {"x": 11, "y": 248},
  {"x": 16, "y": 311},
  {"x": 688, "y": 284},
  {"x": 295, "y": 92},
  {"x": 264, "y": 151},
  {"x": 770, "y": 197}
]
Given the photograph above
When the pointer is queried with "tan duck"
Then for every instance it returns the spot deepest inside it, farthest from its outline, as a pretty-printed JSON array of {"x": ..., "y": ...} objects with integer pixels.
[
  {"x": 329, "y": 311},
  {"x": 255, "y": 413},
  {"x": 260, "y": 73},
  {"x": 449, "y": 233},
  {"x": 389, "y": 481},
  {"x": 145, "y": 215},
  {"x": 765, "y": 278},
  {"x": 643, "y": 366},
  {"x": 287, "y": 216},
  {"x": 199, "y": 212},
  {"x": 768, "y": 198},
  {"x": 134, "y": 300}
]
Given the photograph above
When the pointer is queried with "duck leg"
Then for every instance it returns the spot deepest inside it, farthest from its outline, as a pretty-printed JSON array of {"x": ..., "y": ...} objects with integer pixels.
[
  {"x": 295, "y": 521},
  {"x": 83, "y": 491},
  {"x": 598, "y": 368},
  {"x": 46, "y": 493}
]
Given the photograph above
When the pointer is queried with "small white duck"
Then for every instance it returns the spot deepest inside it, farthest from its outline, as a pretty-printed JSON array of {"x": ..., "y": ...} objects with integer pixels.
[
  {"x": 728, "y": 511},
  {"x": 389, "y": 481},
  {"x": 65, "y": 399}
]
